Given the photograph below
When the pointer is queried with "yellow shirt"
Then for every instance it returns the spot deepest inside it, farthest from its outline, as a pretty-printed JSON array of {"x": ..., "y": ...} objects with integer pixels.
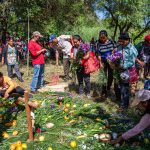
[{"x": 8, "y": 85}]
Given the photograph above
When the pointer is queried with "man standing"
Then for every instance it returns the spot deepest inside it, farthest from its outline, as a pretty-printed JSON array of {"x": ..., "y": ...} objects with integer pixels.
[
  {"x": 63, "y": 43},
  {"x": 143, "y": 58},
  {"x": 37, "y": 54},
  {"x": 129, "y": 55},
  {"x": 104, "y": 48}
]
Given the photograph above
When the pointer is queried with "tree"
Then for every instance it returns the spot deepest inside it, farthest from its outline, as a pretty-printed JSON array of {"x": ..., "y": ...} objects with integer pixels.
[{"x": 126, "y": 15}]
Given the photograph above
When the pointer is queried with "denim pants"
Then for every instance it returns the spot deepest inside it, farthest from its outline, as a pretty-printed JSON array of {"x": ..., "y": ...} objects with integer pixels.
[
  {"x": 16, "y": 68},
  {"x": 122, "y": 94},
  {"x": 38, "y": 77},
  {"x": 81, "y": 76}
]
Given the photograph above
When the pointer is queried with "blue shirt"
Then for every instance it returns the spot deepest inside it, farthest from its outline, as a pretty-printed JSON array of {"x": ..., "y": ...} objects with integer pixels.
[{"x": 129, "y": 55}]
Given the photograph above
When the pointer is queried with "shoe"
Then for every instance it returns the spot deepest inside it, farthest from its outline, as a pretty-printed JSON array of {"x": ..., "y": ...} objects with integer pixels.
[
  {"x": 33, "y": 92},
  {"x": 20, "y": 79}
]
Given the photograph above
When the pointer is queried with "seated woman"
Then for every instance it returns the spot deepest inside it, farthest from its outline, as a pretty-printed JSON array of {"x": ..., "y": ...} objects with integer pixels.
[
  {"x": 9, "y": 87},
  {"x": 142, "y": 100}
]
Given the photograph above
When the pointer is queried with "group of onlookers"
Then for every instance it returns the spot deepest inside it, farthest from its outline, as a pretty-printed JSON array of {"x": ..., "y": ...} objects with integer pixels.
[{"x": 121, "y": 58}]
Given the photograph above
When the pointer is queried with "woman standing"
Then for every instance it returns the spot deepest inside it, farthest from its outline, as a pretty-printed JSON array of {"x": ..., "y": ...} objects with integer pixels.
[{"x": 10, "y": 57}]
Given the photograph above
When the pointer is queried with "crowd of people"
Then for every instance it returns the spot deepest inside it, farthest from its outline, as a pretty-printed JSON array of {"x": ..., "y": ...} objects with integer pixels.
[{"x": 130, "y": 63}]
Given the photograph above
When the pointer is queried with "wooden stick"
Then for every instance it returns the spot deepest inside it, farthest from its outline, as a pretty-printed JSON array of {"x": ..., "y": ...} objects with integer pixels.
[{"x": 28, "y": 114}]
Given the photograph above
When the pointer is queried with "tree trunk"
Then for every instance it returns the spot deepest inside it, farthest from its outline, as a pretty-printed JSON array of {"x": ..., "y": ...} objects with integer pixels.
[{"x": 115, "y": 32}]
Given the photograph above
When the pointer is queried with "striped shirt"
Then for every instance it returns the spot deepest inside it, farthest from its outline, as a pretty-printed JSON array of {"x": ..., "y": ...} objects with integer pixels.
[{"x": 105, "y": 49}]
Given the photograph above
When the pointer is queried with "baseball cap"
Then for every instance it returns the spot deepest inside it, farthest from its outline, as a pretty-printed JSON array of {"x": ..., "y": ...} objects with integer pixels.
[
  {"x": 141, "y": 96},
  {"x": 52, "y": 37},
  {"x": 147, "y": 38},
  {"x": 37, "y": 33}
]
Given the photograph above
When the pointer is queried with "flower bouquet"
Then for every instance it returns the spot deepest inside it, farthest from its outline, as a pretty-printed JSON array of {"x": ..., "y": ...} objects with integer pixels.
[
  {"x": 114, "y": 60},
  {"x": 76, "y": 64}
]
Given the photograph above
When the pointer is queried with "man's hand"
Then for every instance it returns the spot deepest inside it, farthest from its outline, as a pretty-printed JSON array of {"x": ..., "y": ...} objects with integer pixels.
[
  {"x": 141, "y": 63},
  {"x": 6, "y": 95},
  {"x": 118, "y": 140}
]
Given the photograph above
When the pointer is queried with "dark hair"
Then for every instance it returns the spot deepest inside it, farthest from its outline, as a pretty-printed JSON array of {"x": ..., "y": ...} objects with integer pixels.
[
  {"x": 10, "y": 38},
  {"x": 77, "y": 37},
  {"x": 103, "y": 32},
  {"x": 1, "y": 74}
]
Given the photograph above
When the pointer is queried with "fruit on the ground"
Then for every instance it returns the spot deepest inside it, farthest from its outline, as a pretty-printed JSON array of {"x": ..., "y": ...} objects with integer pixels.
[
  {"x": 73, "y": 144},
  {"x": 15, "y": 133},
  {"x": 67, "y": 105},
  {"x": 50, "y": 148},
  {"x": 24, "y": 146},
  {"x": 41, "y": 138}
]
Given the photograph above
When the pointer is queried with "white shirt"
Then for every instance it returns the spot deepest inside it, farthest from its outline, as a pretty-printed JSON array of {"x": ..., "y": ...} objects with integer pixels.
[{"x": 64, "y": 45}]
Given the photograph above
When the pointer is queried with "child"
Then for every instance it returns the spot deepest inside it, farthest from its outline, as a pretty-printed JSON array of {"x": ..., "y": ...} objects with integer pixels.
[
  {"x": 142, "y": 100},
  {"x": 9, "y": 87},
  {"x": 81, "y": 52}
]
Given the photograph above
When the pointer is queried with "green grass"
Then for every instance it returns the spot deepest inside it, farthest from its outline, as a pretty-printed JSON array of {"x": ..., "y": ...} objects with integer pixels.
[{"x": 63, "y": 132}]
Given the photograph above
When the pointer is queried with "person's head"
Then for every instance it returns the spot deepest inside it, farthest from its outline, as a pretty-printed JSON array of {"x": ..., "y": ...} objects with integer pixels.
[
  {"x": 124, "y": 39},
  {"x": 36, "y": 35},
  {"x": 53, "y": 39},
  {"x": 10, "y": 41},
  {"x": 147, "y": 40},
  {"x": 1, "y": 78},
  {"x": 142, "y": 99},
  {"x": 77, "y": 40},
  {"x": 103, "y": 36}
]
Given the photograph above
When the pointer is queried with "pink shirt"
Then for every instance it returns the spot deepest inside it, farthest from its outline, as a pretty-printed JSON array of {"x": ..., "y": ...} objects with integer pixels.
[{"x": 143, "y": 124}]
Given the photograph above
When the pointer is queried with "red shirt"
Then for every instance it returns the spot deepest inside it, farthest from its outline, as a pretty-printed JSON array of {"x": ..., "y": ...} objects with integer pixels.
[{"x": 34, "y": 47}]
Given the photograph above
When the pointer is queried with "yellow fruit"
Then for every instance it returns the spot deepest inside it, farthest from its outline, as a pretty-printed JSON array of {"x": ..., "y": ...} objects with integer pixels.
[
  {"x": 98, "y": 119},
  {"x": 66, "y": 118},
  {"x": 14, "y": 122},
  {"x": 19, "y": 148},
  {"x": 50, "y": 148},
  {"x": 86, "y": 105},
  {"x": 41, "y": 138},
  {"x": 72, "y": 121},
  {"x": 15, "y": 133},
  {"x": 12, "y": 146},
  {"x": 73, "y": 144},
  {"x": 67, "y": 105},
  {"x": 24, "y": 146},
  {"x": 19, "y": 143},
  {"x": 5, "y": 135},
  {"x": 74, "y": 106},
  {"x": 146, "y": 141},
  {"x": 66, "y": 110}
]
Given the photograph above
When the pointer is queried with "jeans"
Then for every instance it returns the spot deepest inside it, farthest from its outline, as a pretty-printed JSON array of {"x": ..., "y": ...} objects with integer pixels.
[
  {"x": 38, "y": 77},
  {"x": 109, "y": 73},
  {"x": 122, "y": 93},
  {"x": 86, "y": 77},
  {"x": 10, "y": 71}
]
